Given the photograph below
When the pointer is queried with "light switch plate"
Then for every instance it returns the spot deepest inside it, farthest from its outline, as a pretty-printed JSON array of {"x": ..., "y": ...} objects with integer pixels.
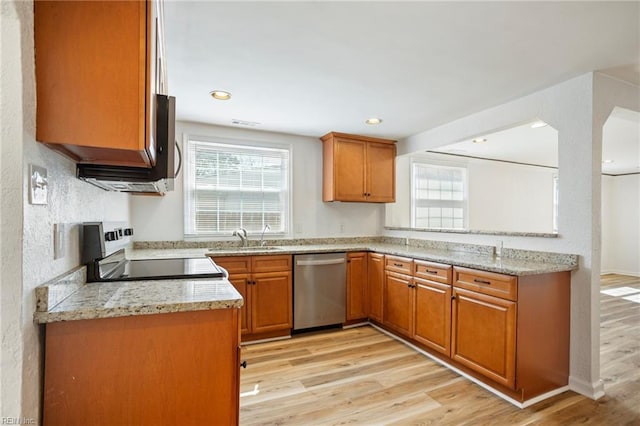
[{"x": 38, "y": 184}]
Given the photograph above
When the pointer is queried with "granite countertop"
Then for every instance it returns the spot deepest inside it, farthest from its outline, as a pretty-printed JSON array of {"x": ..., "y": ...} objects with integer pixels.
[
  {"x": 71, "y": 298},
  {"x": 125, "y": 298},
  {"x": 514, "y": 262}
]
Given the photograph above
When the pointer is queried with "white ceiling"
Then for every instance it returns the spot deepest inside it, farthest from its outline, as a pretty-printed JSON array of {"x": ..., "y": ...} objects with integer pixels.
[
  {"x": 312, "y": 67},
  {"x": 539, "y": 146},
  {"x": 518, "y": 144}
]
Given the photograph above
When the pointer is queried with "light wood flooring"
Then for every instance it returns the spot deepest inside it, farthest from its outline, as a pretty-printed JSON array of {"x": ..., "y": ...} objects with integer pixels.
[{"x": 361, "y": 376}]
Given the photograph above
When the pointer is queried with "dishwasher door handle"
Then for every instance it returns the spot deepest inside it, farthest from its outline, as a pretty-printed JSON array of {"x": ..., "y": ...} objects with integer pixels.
[{"x": 320, "y": 262}]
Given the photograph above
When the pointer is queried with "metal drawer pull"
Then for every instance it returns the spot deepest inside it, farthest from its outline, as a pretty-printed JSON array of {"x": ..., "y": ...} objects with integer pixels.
[
  {"x": 399, "y": 265},
  {"x": 431, "y": 272},
  {"x": 481, "y": 281}
]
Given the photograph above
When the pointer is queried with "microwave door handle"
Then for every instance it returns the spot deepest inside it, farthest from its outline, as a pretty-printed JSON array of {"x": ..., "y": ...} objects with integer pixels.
[{"x": 179, "y": 159}]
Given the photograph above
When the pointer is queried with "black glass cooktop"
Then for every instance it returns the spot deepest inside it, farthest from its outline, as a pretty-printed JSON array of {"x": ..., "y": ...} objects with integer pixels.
[{"x": 117, "y": 268}]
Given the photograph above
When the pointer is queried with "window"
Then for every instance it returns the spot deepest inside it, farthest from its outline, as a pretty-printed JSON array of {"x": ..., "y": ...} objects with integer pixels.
[
  {"x": 228, "y": 186},
  {"x": 439, "y": 196}
]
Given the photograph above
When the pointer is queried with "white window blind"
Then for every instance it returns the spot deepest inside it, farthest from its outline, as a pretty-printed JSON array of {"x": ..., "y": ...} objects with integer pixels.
[
  {"x": 232, "y": 186},
  {"x": 439, "y": 196}
]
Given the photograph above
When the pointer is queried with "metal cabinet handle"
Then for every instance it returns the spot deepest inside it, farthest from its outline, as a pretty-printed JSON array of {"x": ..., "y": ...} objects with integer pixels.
[
  {"x": 453, "y": 298},
  {"x": 428, "y": 271},
  {"x": 476, "y": 280},
  {"x": 243, "y": 364},
  {"x": 399, "y": 265}
]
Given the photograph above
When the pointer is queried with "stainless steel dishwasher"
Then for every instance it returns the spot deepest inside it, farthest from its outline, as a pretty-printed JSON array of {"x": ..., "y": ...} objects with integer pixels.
[{"x": 319, "y": 290}]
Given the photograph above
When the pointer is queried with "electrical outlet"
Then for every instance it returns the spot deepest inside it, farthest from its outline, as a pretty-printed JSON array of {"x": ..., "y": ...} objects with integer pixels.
[{"x": 58, "y": 240}]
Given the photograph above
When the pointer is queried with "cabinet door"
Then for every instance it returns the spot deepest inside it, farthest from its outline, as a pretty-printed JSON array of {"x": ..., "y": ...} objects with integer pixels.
[
  {"x": 271, "y": 302},
  {"x": 92, "y": 86},
  {"x": 398, "y": 303},
  {"x": 241, "y": 283},
  {"x": 381, "y": 172},
  {"x": 484, "y": 335},
  {"x": 349, "y": 171},
  {"x": 376, "y": 285},
  {"x": 356, "y": 286},
  {"x": 433, "y": 315}
]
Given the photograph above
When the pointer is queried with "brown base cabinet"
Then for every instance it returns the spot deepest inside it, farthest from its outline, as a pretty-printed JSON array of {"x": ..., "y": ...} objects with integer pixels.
[
  {"x": 510, "y": 332},
  {"x": 376, "y": 285},
  {"x": 433, "y": 315},
  {"x": 357, "y": 303},
  {"x": 419, "y": 307},
  {"x": 398, "y": 303},
  {"x": 398, "y": 294},
  {"x": 265, "y": 283},
  {"x": 484, "y": 335},
  {"x": 175, "y": 368}
]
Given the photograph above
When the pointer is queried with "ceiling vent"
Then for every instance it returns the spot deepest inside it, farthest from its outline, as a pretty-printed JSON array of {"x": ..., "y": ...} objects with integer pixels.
[{"x": 244, "y": 122}]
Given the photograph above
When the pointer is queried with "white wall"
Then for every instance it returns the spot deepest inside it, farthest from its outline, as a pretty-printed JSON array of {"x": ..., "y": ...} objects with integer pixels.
[
  {"x": 578, "y": 109},
  {"x": 607, "y": 224},
  {"x": 510, "y": 197},
  {"x": 502, "y": 196},
  {"x": 162, "y": 218},
  {"x": 621, "y": 224},
  {"x": 27, "y": 230}
]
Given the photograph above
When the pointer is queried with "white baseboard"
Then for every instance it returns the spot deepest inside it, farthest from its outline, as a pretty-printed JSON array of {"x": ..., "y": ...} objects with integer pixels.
[
  {"x": 619, "y": 272},
  {"x": 473, "y": 379},
  {"x": 360, "y": 324},
  {"x": 590, "y": 390},
  {"x": 271, "y": 339}
]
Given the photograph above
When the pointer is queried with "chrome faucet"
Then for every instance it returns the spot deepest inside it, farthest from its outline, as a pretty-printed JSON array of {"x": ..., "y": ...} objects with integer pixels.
[
  {"x": 266, "y": 228},
  {"x": 242, "y": 234}
]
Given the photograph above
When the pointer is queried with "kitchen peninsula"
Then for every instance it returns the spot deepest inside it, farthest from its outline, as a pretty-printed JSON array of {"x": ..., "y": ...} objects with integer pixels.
[{"x": 140, "y": 352}]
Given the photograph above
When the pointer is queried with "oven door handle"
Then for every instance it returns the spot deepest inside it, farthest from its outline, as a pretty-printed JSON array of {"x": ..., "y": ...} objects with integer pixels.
[{"x": 225, "y": 273}]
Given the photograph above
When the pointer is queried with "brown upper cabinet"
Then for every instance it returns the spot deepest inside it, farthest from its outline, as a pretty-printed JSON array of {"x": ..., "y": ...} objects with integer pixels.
[
  {"x": 99, "y": 65},
  {"x": 358, "y": 168}
]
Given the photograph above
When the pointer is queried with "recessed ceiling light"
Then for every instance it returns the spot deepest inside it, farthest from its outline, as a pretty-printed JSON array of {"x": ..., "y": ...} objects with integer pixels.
[
  {"x": 220, "y": 95},
  {"x": 538, "y": 124},
  {"x": 373, "y": 120},
  {"x": 479, "y": 140},
  {"x": 607, "y": 161}
]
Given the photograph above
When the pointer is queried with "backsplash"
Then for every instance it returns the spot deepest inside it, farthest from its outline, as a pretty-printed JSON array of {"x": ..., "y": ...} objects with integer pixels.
[
  {"x": 232, "y": 244},
  {"x": 511, "y": 253}
]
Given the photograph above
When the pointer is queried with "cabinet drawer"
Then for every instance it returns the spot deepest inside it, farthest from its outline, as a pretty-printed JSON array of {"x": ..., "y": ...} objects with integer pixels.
[
  {"x": 499, "y": 285},
  {"x": 403, "y": 265},
  {"x": 432, "y": 271},
  {"x": 271, "y": 263},
  {"x": 234, "y": 264}
]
